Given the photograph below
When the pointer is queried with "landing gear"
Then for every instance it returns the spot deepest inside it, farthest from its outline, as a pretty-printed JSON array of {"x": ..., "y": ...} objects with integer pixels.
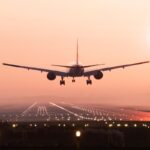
[
  {"x": 73, "y": 80},
  {"x": 89, "y": 81},
  {"x": 62, "y": 81}
]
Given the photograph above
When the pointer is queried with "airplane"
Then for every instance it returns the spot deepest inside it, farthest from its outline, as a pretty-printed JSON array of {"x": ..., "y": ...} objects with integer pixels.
[{"x": 76, "y": 70}]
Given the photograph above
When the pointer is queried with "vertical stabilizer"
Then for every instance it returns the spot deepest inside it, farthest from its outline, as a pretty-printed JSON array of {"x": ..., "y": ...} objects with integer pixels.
[{"x": 77, "y": 57}]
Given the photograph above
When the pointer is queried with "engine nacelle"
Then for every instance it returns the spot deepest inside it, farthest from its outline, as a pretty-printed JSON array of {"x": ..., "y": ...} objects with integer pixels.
[
  {"x": 51, "y": 76},
  {"x": 98, "y": 75}
]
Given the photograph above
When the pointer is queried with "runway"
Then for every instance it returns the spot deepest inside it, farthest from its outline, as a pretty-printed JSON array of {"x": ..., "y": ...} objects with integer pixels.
[{"x": 51, "y": 112}]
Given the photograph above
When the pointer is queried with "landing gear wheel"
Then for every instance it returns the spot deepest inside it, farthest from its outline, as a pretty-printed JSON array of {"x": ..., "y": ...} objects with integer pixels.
[
  {"x": 73, "y": 80},
  {"x": 62, "y": 82},
  {"x": 89, "y": 82}
]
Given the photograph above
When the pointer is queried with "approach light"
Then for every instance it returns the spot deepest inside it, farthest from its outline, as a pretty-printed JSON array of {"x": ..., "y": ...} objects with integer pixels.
[
  {"x": 30, "y": 125},
  {"x": 14, "y": 125},
  {"x": 78, "y": 133},
  {"x": 144, "y": 125},
  {"x": 118, "y": 125},
  {"x": 110, "y": 125}
]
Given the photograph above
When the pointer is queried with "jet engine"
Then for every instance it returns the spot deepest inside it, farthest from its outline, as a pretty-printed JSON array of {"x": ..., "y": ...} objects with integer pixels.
[
  {"x": 51, "y": 76},
  {"x": 98, "y": 75}
]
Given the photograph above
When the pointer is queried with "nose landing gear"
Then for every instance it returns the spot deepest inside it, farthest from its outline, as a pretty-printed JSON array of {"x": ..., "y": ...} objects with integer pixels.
[
  {"x": 73, "y": 80},
  {"x": 62, "y": 81}
]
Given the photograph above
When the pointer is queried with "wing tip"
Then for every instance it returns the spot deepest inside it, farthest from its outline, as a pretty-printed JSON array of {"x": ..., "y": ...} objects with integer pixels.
[{"x": 146, "y": 61}]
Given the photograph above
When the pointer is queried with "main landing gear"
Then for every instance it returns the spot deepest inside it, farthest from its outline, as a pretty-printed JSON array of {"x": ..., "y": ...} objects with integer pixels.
[
  {"x": 73, "y": 80},
  {"x": 89, "y": 81},
  {"x": 62, "y": 81}
]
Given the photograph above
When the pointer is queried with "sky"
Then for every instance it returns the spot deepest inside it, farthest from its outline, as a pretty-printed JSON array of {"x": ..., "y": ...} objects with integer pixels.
[{"x": 43, "y": 32}]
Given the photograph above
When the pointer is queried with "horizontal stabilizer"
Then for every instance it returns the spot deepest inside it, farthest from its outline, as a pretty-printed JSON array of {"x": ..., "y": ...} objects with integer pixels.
[
  {"x": 92, "y": 65},
  {"x": 79, "y": 66},
  {"x": 63, "y": 66}
]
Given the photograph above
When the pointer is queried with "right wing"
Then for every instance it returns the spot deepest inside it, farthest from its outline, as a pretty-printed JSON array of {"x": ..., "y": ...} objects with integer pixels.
[
  {"x": 58, "y": 73},
  {"x": 93, "y": 72}
]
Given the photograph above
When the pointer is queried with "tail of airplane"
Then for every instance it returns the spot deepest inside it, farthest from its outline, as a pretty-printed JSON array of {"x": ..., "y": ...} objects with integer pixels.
[
  {"x": 77, "y": 61},
  {"x": 77, "y": 56}
]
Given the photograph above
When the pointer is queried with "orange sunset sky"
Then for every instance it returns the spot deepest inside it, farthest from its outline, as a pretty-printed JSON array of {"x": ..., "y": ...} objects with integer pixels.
[{"x": 43, "y": 32}]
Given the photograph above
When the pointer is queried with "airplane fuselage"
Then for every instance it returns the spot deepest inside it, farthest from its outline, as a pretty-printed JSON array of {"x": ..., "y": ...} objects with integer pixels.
[{"x": 76, "y": 71}]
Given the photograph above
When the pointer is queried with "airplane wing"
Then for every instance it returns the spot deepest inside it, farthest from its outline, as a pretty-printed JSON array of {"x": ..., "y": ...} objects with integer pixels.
[
  {"x": 93, "y": 72},
  {"x": 58, "y": 73}
]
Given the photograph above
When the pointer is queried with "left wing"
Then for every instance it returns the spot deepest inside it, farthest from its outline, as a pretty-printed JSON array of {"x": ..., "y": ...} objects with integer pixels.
[
  {"x": 93, "y": 72},
  {"x": 58, "y": 73}
]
